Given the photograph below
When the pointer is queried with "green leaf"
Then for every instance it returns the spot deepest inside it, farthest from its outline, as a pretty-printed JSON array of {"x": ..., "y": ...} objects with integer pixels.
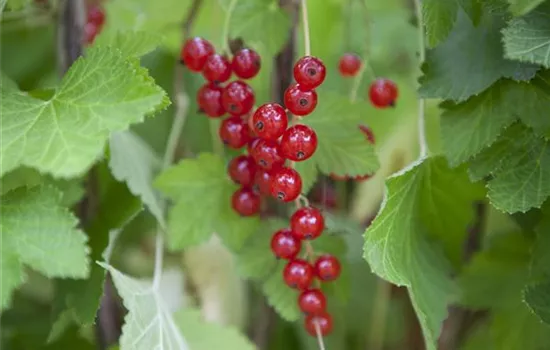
[
  {"x": 130, "y": 43},
  {"x": 527, "y": 38},
  {"x": 280, "y": 296},
  {"x": 308, "y": 172},
  {"x": 341, "y": 150},
  {"x": 36, "y": 231},
  {"x": 149, "y": 323},
  {"x": 469, "y": 61},
  {"x": 439, "y": 18},
  {"x": 537, "y": 296},
  {"x": 64, "y": 135},
  {"x": 202, "y": 191},
  {"x": 134, "y": 162},
  {"x": 259, "y": 23},
  {"x": 202, "y": 335},
  {"x": 425, "y": 200},
  {"x": 522, "y": 7}
]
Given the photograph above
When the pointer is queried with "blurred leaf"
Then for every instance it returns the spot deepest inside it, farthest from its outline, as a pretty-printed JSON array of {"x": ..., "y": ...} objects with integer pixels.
[
  {"x": 522, "y": 7},
  {"x": 439, "y": 18},
  {"x": 282, "y": 298},
  {"x": 308, "y": 172},
  {"x": 130, "y": 43}
]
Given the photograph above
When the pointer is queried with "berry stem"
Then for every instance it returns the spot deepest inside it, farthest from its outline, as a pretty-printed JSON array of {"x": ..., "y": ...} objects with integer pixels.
[
  {"x": 225, "y": 33},
  {"x": 305, "y": 23},
  {"x": 421, "y": 102}
]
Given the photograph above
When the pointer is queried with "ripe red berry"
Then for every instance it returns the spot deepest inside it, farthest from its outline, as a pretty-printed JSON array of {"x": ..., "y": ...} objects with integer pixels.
[
  {"x": 270, "y": 121},
  {"x": 323, "y": 322},
  {"x": 242, "y": 170},
  {"x": 96, "y": 15},
  {"x": 286, "y": 184},
  {"x": 195, "y": 52},
  {"x": 262, "y": 181},
  {"x": 312, "y": 302},
  {"x": 298, "y": 143},
  {"x": 349, "y": 65},
  {"x": 238, "y": 98},
  {"x": 383, "y": 93},
  {"x": 368, "y": 133},
  {"x": 284, "y": 245},
  {"x": 298, "y": 274},
  {"x": 245, "y": 202},
  {"x": 307, "y": 223},
  {"x": 217, "y": 69},
  {"x": 90, "y": 32},
  {"x": 309, "y": 72},
  {"x": 251, "y": 143},
  {"x": 234, "y": 132},
  {"x": 267, "y": 155},
  {"x": 209, "y": 99},
  {"x": 246, "y": 63},
  {"x": 327, "y": 268},
  {"x": 300, "y": 102}
]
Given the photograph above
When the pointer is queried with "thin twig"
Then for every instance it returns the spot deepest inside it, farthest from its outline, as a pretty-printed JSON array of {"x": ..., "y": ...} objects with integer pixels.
[
  {"x": 305, "y": 23},
  {"x": 227, "y": 22},
  {"x": 421, "y": 102}
]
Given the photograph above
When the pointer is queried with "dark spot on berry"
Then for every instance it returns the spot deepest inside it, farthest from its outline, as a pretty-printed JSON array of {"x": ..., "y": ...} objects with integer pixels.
[
  {"x": 308, "y": 236},
  {"x": 303, "y": 102},
  {"x": 280, "y": 195},
  {"x": 293, "y": 285},
  {"x": 300, "y": 155},
  {"x": 259, "y": 125},
  {"x": 392, "y": 104},
  {"x": 262, "y": 162},
  {"x": 311, "y": 71},
  {"x": 182, "y": 62},
  {"x": 232, "y": 107},
  {"x": 225, "y": 142},
  {"x": 200, "y": 111},
  {"x": 257, "y": 63}
]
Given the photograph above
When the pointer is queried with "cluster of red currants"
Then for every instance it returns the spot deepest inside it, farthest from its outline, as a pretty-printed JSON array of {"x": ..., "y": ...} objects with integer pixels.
[
  {"x": 94, "y": 23},
  {"x": 270, "y": 142}
]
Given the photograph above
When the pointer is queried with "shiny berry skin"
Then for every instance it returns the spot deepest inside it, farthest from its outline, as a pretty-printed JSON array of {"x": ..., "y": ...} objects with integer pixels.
[
  {"x": 323, "y": 321},
  {"x": 209, "y": 99},
  {"x": 300, "y": 102},
  {"x": 267, "y": 155},
  {"x": 309, "y": 72},
  {"x": 238, "y": 98},
  {"x": 298, "y": 143},
  {"x": 298, "y": 274},
  {"x": 284, "y": 245},
  {"x": 307, "y": 223},
  {"x": 349, "y": 65},
  {"x": 383, "y": 93},
  {"x": 242, "y": 170},
  {"x": 90, "y": 32},
  {"x": 234, "y": 132},
  {"x": 368, "y": 133},
  {"x": 262, "y": 181},
  {"x": 96, "y": 15},
  {"x": 246, "y": 63},
  {"x": 245, "y": 202},
  {"x": 217, "y": 69},
  {"x": 270, "y": 121},
  {"x": 312, "y": 302},
  {"x": 251, "y": 143},
  {"x": 195, "y": 52},
  {"x": 327, "y": 268},
  {"x": 286, "y": 184}
]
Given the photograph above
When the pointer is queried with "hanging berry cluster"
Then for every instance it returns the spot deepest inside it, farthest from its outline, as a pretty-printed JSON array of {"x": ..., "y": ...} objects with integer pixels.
[
  {"x": 94, "y": 23},
  {"x": 273, "y": 143}
]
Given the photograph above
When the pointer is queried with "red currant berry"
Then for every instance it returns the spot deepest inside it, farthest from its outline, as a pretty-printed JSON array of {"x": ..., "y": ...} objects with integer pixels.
[
  {"x": 349, "y": 65},
  {"x": 270, "y": 121},
  {"x": 298, "y": 143},
  {"x": 368, "y": 133},
  {"x": 262, "y": 181},
  {"x": 195, "y": 52},
  {"x": 323, "y": 322},
  {"x": 307, "y": 223},
  {"x": 234, "y": 132},
  {"x": 217, "y": 69},
  {"x": 245, "y": 202},
  {"x": 266, "y": 154},
  {"x": 383, "y": 93},
  {"x": 251, "y": 143},
  {"x": 312, "y": 302},
  {"x": 286, "y": 184},
  {"x": 246, "y": 63},
  {"x": 309, "y": 72},
  {"x": 300, "y": 102},
  {"x": 90, "y": 32},
  {"x": 242, "y": 170},
  {"x": 284, "y": 245},
  {"x": 298, "y": 274},
  {"x": 327, "y": 268},
  {"x": 96, "y": 15},
  {"x": 209, "y": 99},
  {"x": 238, "y": 98}
]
